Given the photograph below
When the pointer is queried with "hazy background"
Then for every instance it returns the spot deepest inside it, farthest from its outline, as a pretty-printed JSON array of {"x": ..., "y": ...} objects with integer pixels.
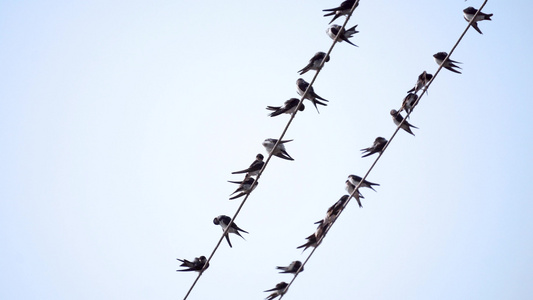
[{"x": 121, "y": 122}]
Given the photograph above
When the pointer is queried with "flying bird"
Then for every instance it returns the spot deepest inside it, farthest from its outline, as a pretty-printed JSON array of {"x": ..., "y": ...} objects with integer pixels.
[
  {"x": 223, "y": 221},
  {"x": 423, "y": 79},
  {"x": 448, "y": 64},
  {"x": 255, "y": 167},
  {"x": 350, "y": 188},
  {"x": 288, "y": 107},
  {"x": 469, "y": 13},
  {"x": 354, "y": 179},
  {"x": 292, "y": 268},
  {"x": 397, "y": 118},
  {"x": 246, "y": 186},
  {"x": 277, "y": 291},
  {"x": 279, "y": 151},
  {"x": 302, "y": 85},
  {"x": 196, "y": 265},
  {"x": 341, "y": 10},
  {"x": 377, "y": 147},
  {"x": 409, "y": 102},
  {"x": 315, "y": 62},
  {"x": 344, "y": 35}
]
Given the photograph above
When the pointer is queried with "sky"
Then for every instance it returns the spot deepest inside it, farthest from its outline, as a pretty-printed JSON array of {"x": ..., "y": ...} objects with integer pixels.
[{"x": 121, "y": 122}]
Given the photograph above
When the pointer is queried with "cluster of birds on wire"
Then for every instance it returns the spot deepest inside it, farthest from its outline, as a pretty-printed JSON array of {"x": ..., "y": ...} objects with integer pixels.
[{"x": 292, "y": 105}]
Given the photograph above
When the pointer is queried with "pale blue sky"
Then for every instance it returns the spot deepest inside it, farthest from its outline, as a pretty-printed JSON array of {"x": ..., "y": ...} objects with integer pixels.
[{"x": 121, "y": 122}]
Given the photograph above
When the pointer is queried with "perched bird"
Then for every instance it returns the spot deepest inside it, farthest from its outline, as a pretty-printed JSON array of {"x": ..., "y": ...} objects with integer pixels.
[
  {"x": 314, "y": 62},
  {"x": 409, "y": 102},
  {"x": 358, "y": 196},
  {"x": 311, "y": 242},
  {"x": 344, "y": 35},
  {"x": 277, "y": 291},
  {"x": 341, "y": 10},
  {"x": 255, "y": 167},
  {"x": 354, "y": 179},
  {"x": 423, "y": 79},
  {"x": 302, "y": 85},
  {"x": 246, "y": 186},
  {"x": 377, "y": 147},
  {"x": 335, "y": 209},
  {"x": 448, "y": 64},
  {"x": 196, "y": 265},
  {"x": 333, "y": 212},
  {"x": 397, "y": 118},
  {"x": 279, "y": 151},
  {"x": 469, "y": 13},
  {"x": 223, "y": 221},
  {"x": 288, "y": 107},
  {"x": 292, "y": 268}
]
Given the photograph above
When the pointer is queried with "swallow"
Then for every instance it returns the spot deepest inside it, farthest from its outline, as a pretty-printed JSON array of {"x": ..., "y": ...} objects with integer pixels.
[
  {"x": 448, "y": 64},
  {"x": 469, "y": 13},
  {"x": 335, "y": 209},
  {"x": 223, "y": 221},
  {"x": 255, "y": 167},
  {"x": 277, "y": 291},
  {"x": 341, "y": 10},
  {"x": 292, "y": 268},
  {"x": 196, "y": 265},
  {"x": 279, "y": 151},
  {"x": 358, "y": 196},
  {"x": 377, "y": 147},
  {"x": 302, "y": 85},
  {"x": 397, "y": 118},
  {"x": 311, "y": 242},
  {"x": 423, "y": 79},
  {"x": 354, "y": 179},
  {"x": 409, "y": 103},
  {"x": 288, "y": 107},
  {"x": 315, "y": 62},
  {"x": 333, "y": 212},
  {"x": 344, "y": 35},
  {"x": 246, "y": 186}
]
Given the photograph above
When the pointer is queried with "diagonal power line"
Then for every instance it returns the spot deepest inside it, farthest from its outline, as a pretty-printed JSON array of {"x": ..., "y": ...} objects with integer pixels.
[
  {"x": 270, "y": 154},
  {"x": 381, "y": 153}
]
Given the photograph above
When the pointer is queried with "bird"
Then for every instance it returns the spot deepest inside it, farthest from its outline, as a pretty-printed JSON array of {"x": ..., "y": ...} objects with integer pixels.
[
  {"x": 354, "y": 179},
  {"x": 278, "y": 290},
  {"x": 423, "y": 79},
  {"x": 311, "y": 242},
  {"x": 469, "y": 13},
  {"x": 377, "y": 147},
  {"x": 196, "y": 265},
  {"x": 302, "y": 86},
  {"x": 333, "y": 211},
  {"x": 344, "y": 35},
  {"x": 246, "y": 186},
  {"x": 224, "y": 221},
  {"x": 409, "y": 102},
  {"x": 292, "y": 268},
  {"x": 288, "y": 107},
  {"x": 255, "y": 167},
  {"x": 279, "y": 151},
  {"x": 397, "y": 118},
  {"x": 448, "y": 64},
  {"x": 314, "y": 62},
  {"x": 343, "y": 9},
  {"x": 350, "y": 188}
]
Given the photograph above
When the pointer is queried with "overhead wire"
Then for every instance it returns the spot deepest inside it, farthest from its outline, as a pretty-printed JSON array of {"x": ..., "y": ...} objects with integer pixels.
[
  {"x": 293, "y": 115},
  {"x": 356, "y": 188}
]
